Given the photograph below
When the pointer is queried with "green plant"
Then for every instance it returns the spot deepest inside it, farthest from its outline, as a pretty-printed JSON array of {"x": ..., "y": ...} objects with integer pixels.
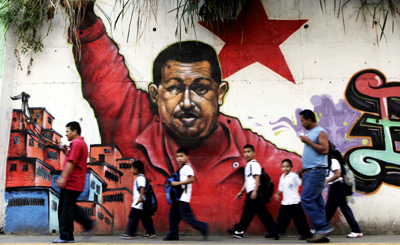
[{"x": 378, "y": 12}]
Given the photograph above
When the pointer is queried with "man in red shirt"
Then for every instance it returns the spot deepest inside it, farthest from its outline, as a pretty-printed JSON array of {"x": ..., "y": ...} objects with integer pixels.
[
  {"x": 180, "y": 110},
  {"x": 71, "y": 184}
]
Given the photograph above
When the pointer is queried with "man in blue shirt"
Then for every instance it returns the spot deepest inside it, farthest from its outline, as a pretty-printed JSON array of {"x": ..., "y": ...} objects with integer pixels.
[{"x": 315, "y": 163}]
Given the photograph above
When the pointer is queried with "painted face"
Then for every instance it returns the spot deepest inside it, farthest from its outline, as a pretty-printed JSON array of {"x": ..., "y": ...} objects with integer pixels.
[
  {"x": 286, "y": 168},
  {"x": 70, "y": 134},
  {"x": 305, "y": 122},
  {"x": 188, "y": 98},
  {"x": 249, "y": 154},
  {"x": 182, "y": 158}
]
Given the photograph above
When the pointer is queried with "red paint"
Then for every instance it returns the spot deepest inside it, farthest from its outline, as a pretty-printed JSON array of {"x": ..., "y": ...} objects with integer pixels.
[{"x": 258, "y": 41}]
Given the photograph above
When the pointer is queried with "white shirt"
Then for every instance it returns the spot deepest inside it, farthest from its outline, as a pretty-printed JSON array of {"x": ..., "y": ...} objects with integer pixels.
[
  {"x": 289, "y": 186},
  {"x": 335, "y": 166},
  {"x": 141, "y": 182},
  {"x": 184, "y": 174},
  {"x": 249, "y": 179}
]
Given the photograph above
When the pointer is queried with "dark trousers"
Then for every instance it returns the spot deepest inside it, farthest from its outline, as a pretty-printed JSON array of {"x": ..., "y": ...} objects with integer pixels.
[
  {"x": 286, "y": 214},
  {"x": 182, "y": 211},
  {"x": 134, "y": 216},
  {"x": 252, "y": 208},
  {"x": 68, "y": 211},
  {"x": 337, "y": 198}
]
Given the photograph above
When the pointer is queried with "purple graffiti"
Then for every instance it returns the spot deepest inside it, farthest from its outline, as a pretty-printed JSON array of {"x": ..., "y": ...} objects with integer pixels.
[{"x": 336, "y": 119}]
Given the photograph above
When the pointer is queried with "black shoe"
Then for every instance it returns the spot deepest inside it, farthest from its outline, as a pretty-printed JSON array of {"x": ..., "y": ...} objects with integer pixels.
[
  {"x": 205, "y": 234},
  {"x": 272, "y": 235},
  {"x": 305, "y": 237},
  {"x": 170, "y": 238}
]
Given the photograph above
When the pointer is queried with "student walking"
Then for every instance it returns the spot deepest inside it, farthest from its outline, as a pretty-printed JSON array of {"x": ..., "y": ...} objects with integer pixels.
[
  {"x": 290, "y": 206},
  {"x": 253, "y": 205},
  {"x": 337, "y": 197},
  {"x": 181, "y": 210},
  {"x": 71, "y": 184},
  {"x": 137, "y": 212}
]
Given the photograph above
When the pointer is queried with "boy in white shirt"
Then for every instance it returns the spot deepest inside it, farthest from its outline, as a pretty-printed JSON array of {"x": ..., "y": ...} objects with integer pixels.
[
  {"x": 253, "y": 205},
  {"x": 290, "y": 206},
  {"x": 137, "y": 213},
  {"x": 181, "y": 210}
]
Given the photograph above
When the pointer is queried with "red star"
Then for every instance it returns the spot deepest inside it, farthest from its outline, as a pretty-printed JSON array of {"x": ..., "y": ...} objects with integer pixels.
[{"x": 259, "y": 43}]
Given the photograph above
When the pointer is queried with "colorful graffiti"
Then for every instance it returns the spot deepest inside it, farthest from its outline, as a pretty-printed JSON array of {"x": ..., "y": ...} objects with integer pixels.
[
  {"x": 379, "y": 102},
  {"x": 368, "y": 135}
]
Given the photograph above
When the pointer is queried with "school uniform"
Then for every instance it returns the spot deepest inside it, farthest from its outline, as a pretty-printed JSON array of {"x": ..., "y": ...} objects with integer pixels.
[
  {"x": 256, "y": 206},
  {"x": 181, "y": 210},
  {"x": 337, "y": 198},
  {"x": 291, "y": 206},
  {"x": 137, "y": 213}
]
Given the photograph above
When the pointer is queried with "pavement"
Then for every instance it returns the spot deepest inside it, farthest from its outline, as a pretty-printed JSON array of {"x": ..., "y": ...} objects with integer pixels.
[{"x": 116, "y": 240}]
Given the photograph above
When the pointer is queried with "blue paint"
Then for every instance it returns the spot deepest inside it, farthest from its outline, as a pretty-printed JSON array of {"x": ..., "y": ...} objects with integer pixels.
[{"x": 27, "y": 219}]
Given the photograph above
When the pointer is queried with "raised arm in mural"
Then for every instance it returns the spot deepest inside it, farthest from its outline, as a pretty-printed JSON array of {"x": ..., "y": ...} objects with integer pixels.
[{"x": 181, "y": 109}]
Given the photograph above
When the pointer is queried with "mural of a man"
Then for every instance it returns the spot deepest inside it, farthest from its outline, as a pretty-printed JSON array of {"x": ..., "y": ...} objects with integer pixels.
[{"x": 180, "y": 110}]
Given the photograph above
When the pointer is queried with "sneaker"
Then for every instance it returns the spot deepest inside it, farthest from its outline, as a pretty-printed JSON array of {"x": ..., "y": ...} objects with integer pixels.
[
  {"x": 354, "y": 235},
  {"x": 127, "y": 236},
  {"x": 150, "y": 236},
  {"x": 320, "y": 237},
  {"x": 58, "y": 240},
  {"x": 238, "y": 234}
]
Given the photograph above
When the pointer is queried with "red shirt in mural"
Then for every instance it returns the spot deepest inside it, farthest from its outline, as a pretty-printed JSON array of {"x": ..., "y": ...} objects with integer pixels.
[
  {"x": 126, "y": 118},
  {"x": 77, "y": 154}
]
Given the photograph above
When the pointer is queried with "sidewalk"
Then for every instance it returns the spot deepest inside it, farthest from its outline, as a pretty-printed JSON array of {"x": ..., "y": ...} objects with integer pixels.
[{"x": 114, "y": 240}]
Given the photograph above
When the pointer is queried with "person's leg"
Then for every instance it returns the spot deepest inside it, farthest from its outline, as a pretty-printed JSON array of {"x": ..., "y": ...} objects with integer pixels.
[
  {"x": 187, "y": 216},
  {"x": 133, "y": 221},
  {"x": 247, "y": 215},
  {"x": 312, "y": 200},
  {"x": 344, "y": 207},
  {"x": 147, "y": 222},
  {"x": 264, "y": 215},
  {"x": 331, "y": 203},
  {"x": 300, "y": 220},
  {"x": 282, "y": 220},
  {"x": 174, "y": 220},
  {"x": 80, "y": 216},
  {"x": 67, "y": 214}
]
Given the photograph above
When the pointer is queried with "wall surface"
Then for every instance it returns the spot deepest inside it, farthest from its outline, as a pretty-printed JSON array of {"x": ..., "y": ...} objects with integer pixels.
[{"x": 141, "y": 100}]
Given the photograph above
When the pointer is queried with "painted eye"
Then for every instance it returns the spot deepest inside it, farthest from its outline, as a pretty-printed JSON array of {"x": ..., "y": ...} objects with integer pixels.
[{"x": 173, "y": 89}]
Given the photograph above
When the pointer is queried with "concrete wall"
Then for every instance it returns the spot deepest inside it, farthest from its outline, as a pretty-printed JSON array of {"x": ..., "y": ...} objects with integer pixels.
[{"x": 294, "y": 57}]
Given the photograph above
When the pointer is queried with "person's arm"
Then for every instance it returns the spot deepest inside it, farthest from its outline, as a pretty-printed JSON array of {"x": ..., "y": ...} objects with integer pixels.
[
  {"x": 106, "y": 83},
  {"x": 254, "y": 193},
  {"x": 277, "y": 195},
  {"x": 189, "y": 180},
  {"x": 321, "y": 147},
  {"x": 65, "y": 173},
  {"x": 140, "y": 200},
  {"x": 334, "y": 177},
  {"x": 240, "y": 194}
]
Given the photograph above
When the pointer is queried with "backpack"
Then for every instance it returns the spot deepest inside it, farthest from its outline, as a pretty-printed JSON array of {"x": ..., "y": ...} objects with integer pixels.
[
  {"x": 266, "y": 187},
  {"x": 173, "y": 193},
  {"x": 150, "y": 203},
  {"x": 348, "y": 177}
]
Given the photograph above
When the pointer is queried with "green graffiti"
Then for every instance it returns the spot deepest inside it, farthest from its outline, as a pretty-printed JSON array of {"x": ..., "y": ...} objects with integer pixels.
[{"x": 278, "y": 132}]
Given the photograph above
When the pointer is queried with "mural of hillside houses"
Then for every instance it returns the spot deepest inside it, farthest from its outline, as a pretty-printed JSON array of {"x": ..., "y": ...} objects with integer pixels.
[{"x": 34, "y": 165}]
